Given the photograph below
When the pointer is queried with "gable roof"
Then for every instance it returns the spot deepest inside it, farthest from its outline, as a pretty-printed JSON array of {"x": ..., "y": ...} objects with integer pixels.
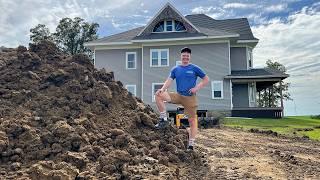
[
  {"x": 166, "y": 10},
  {"x": 205, "y": 26},
  {"x": 239, "y": 25}
]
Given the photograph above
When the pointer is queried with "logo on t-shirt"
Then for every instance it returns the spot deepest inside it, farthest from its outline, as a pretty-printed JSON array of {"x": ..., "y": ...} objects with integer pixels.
[{"x": 189, "y": 72}]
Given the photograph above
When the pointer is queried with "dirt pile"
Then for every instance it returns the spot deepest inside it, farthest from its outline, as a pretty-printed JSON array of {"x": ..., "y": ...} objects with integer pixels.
[{"x": 60, "y": 118}]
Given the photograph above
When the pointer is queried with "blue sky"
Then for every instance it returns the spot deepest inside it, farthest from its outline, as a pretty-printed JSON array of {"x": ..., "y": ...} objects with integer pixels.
[{"x": 288, "y": 30}]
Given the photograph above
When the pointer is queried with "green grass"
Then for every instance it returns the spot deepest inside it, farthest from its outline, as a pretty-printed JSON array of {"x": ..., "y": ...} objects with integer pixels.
[{"x": 285, "y": 126}]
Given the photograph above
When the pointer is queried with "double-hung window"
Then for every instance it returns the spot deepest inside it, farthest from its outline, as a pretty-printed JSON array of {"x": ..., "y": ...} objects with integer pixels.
[
  {"x": 249, "y": 52},
  {"x": 132, "y": 88},
  {"x": 159, "y": 57},
  {"x": 155, "y": 87},
  {"x": 131, "y": 60},
  {"x": 217, "y": 89}
]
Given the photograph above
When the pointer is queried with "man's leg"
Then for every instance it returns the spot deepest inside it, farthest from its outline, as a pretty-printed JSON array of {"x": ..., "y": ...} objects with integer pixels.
[
  {"x": 160, "y": 101},
  {"x": 163, "y": 119},
  {"x": 192, "y": 131}
]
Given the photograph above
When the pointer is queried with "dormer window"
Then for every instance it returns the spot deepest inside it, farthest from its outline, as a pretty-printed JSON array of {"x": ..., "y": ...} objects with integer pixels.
[{"x": 169, "y": 26}]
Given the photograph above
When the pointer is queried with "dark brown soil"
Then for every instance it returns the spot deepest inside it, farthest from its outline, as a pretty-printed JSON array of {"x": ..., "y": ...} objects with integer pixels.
[{"x": 63, "y": 119}]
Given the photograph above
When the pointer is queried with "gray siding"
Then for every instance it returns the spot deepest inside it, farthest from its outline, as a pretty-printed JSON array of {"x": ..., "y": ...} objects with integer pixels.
[
  {"x": 115, "y": 60},
  {"x": 238, "y": 58},
  {"x": 240, "y": 95},
  {"x": 212, "y": 58}
]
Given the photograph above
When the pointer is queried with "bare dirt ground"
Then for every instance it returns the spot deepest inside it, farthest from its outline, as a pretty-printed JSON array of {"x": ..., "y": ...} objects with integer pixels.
[
  {"x": 61, "y": 119},
  {"x": 235, "y": 154}
]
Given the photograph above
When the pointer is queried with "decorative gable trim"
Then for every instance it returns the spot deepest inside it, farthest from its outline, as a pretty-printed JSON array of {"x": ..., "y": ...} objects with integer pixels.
[{"x": 168, "y": 11}]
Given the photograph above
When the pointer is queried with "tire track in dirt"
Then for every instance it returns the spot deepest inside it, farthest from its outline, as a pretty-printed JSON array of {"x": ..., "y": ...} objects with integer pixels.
[{"x": 235, "y": 154}]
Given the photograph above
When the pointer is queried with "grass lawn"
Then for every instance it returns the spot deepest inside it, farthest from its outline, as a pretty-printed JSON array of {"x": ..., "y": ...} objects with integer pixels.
[{"x": 290, "y": 126}]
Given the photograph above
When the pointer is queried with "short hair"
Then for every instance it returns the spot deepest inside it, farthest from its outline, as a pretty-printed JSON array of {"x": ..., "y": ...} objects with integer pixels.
[{"x": 186, "y": 49}]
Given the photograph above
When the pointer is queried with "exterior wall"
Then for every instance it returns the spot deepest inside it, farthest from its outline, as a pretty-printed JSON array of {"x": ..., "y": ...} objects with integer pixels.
[
  {"x": 238, "y": 58},
  {"x": 115, "y": 60},
  {"x": 213, "y": 58},
  {"x": 240, "y": 95}
]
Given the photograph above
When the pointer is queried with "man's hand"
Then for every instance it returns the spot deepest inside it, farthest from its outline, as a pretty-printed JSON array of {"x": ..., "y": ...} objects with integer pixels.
[
  {"x": 159, "y": 91},
  {"x": 193, "y": 90}
]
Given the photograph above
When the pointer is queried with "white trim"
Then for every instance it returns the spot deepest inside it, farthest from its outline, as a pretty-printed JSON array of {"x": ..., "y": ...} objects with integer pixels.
[
  {"x": 130, "y": 45},
  {"x": 160, "y": 11},
  {"x": 248, "y": 51},
  {"x": 255, "y": 77},
  {"x": 247, "y": 41},
  {"x": 103, "y": 47},
  {"x": 212, "y": 89},
  {"x": 159, "y": 57},
  {"x": 135, "y": 59},
  {"x": 231, "y": 94},
  {"x": 142, "y": 73},
  {"x": 185, "y": 38},
  {"x": 229, "y": 49},
  {"x": 185, "y": 42},
  {"x": 254, "y": 94},
  {"x": 152, "y": 92},
  {"x": 134, "y": 86},
  {"x": 106, "y": 43}
]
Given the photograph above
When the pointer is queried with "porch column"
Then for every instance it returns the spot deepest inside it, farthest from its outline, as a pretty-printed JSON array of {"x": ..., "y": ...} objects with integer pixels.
[{"x": 281, "y": 99}]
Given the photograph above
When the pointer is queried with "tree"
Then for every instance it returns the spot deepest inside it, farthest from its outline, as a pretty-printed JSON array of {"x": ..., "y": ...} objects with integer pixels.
[
  {"x": 40, "y": 33},
  {"x": 271, "y": 96},
  {"x": 71, "y": 35}
]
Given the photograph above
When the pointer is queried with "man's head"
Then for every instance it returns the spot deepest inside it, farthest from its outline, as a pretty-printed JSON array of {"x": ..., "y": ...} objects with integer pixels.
[{"x": 185, "y": 55}]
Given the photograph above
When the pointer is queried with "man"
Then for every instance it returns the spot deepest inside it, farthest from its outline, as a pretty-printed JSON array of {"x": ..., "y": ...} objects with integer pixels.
[{"x": 186, "y": 76}]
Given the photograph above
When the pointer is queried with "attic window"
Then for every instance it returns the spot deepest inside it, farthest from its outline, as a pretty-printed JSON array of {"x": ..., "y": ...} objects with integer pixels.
[{"x": 169, "y": 26}]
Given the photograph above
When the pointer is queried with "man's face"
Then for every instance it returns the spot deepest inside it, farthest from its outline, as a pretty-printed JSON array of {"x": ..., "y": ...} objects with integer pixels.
[{"x": 185, "y": 58}]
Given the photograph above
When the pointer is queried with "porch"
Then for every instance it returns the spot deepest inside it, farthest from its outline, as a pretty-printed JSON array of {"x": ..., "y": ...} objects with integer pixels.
[{"x": 246, "y": 88}]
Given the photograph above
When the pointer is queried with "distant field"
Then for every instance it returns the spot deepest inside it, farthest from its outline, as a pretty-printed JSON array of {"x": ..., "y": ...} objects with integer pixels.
[{"x": 290, "y": 126}]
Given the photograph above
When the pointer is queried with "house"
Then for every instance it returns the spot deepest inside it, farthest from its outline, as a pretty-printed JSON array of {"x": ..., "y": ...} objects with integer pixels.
[{"x": 142, "y": 58}]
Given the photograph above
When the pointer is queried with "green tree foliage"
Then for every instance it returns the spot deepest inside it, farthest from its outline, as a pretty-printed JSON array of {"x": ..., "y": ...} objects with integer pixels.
[
  {"x": 70, "y": 35},
  {"x": 40, "y": 33},
  {"x": 271, "y": 97}
]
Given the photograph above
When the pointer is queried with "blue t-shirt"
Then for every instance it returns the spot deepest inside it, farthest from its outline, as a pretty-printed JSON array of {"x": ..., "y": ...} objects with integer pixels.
[{"x": 186, "y": 77}]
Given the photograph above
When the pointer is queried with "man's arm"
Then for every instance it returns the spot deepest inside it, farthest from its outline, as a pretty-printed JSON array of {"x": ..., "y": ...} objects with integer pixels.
[
  {"x": 204, "y": 82},
  {"x": 165, "y": 86}
]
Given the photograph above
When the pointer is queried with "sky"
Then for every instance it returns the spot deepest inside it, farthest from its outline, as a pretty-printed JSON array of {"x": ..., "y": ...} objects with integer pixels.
[{"x": 288, "y": 30}]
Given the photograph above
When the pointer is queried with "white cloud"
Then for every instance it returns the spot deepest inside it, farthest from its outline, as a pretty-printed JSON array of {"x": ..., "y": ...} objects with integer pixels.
[
  {"x": 276, "y": 8},
  {"x": 238, "y": 5},
  {"x": 18, "y": 17},
  {"x": 201, "y": 10},
  {"x": 295, "y": 43}
]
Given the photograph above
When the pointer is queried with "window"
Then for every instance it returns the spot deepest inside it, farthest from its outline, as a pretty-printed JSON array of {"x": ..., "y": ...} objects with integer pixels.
[
  {"x": 155, "y": 87},
  {"x": 131, "y": 60},
  {"x": 217, "y": 89},
  {"x": 252, "y": 94},
  {"x": 249, "y": 58},
  {"x": 159, "y": 57},
  {"x": 169, "y": 26},
  {"x": 132, "y": 89},
  {"x": 179, "y": 26},
  {"x": 178, "y": 63}
]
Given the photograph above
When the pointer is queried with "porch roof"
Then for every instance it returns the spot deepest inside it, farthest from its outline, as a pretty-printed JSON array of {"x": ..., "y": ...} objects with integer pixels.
[{"x": 261, "y": 73}]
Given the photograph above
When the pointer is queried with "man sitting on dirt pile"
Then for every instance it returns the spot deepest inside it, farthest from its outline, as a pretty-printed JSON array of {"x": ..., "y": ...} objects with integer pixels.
[{"x": 186, "y": 76}]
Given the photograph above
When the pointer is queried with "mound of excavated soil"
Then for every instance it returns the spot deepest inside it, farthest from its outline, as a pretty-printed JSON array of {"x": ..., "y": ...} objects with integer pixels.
[{"x": 60, "y": 118}]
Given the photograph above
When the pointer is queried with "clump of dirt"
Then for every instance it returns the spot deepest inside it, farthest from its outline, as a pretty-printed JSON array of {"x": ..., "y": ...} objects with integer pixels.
[
  {"x": 268, "y": 132},
  {"x": 63, "y": 119}
]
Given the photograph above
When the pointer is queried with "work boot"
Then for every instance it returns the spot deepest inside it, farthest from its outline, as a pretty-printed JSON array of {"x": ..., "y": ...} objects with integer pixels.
[
  {"x": 162, "y": 124},
  {"x": 190, "y": 148}
]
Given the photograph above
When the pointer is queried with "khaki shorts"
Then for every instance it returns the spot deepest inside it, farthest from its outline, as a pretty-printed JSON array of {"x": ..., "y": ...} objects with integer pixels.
[{"x": 190, "y": 103}]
